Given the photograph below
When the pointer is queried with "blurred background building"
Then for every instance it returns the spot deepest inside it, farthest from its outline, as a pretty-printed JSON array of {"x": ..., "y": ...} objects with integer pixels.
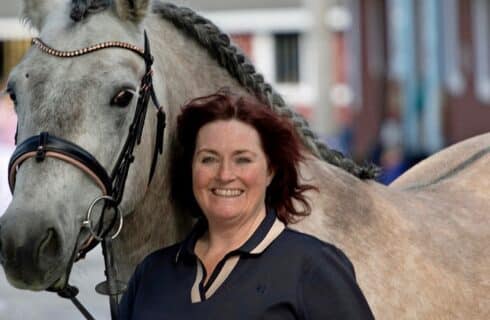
[{"x": 389, "y": 81}]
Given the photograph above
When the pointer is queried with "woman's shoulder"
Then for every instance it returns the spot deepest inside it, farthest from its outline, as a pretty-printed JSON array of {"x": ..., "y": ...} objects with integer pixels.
[
  {"x": 308, "y": 242},
  {"x": 315, "y": 251},
  {"x": 327, "y": 283},
  {"x": 160, "y": 256}
]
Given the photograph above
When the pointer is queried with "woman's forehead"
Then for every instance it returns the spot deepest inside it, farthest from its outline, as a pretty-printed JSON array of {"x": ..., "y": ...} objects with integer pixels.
[{"x": 228, "y": 135}]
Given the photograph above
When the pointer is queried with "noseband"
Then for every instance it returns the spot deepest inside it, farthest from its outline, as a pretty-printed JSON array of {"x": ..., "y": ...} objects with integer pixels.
[{"x": 112, "y": 185}]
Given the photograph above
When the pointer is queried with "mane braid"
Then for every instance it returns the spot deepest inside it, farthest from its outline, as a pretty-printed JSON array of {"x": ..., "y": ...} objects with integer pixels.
[
  {"x": 131, "y": 4},
  {"x": 218, "y": 44}
]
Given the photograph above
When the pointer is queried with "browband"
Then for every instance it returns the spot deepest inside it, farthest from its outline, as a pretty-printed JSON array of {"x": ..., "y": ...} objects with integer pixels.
[{"x": 74, "y": 53}]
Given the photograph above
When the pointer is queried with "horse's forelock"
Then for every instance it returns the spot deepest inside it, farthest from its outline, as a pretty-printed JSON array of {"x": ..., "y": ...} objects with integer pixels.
[
  {"x": 132, "y": 10},
  {"x": 129, "y": 10},
  {"x": 81, "y": 8}
]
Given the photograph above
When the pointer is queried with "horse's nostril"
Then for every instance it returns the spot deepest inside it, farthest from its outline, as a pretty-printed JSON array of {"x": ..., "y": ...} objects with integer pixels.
[{"x": 49, "y": 245}]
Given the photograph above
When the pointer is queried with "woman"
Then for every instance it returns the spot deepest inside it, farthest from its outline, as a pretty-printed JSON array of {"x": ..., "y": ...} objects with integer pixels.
[{"x": 238, "y": 172}]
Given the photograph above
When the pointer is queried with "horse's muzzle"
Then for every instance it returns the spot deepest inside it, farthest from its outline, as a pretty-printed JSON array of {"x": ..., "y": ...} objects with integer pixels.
[{"x": 31, "y": 253}]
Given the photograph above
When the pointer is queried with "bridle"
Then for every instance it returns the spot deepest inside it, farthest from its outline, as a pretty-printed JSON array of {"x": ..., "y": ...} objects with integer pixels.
[{"x": 112, "y": 185}]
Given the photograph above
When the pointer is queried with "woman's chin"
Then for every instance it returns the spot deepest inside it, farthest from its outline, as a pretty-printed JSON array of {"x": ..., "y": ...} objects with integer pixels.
[{"x": 224, "y": 216}]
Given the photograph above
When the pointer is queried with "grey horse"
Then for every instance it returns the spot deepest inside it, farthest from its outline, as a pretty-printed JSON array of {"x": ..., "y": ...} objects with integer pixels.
[{"x": 420, "y": 247}]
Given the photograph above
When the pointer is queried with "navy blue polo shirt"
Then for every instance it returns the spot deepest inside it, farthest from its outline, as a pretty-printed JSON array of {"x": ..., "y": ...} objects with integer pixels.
[{"x": 277, "y": 274}]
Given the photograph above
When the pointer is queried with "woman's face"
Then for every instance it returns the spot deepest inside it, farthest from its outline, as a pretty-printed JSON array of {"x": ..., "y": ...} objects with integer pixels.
[{"x": 230, "y": 171}]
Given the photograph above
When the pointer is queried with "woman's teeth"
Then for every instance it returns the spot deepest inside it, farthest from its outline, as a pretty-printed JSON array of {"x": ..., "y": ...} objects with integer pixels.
[{"x": 227, "y": 192}]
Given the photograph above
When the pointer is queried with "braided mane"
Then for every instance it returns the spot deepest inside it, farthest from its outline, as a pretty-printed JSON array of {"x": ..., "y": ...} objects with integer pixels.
[{"x": 219, "y": 46}]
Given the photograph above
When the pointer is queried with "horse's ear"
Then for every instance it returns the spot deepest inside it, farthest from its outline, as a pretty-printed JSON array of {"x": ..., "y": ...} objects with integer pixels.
[
  {"x": 35, "y": 12},
  {"x": 133, "y": 10}
]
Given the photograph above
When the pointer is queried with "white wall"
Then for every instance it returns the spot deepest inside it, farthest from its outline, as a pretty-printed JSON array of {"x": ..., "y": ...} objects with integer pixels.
[{"x": 13, "y": 29}]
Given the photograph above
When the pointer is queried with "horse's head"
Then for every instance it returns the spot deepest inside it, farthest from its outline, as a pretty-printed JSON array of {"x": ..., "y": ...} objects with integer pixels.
[{"x": 89, "y": 100}]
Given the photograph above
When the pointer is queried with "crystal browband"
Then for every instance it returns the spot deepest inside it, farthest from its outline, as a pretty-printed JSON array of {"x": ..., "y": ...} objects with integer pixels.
[{"x": 74, "y": 53}]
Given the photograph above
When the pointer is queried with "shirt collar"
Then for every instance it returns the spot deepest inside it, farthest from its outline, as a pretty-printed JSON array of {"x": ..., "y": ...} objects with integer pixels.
[{"x": 269, "y": 229}]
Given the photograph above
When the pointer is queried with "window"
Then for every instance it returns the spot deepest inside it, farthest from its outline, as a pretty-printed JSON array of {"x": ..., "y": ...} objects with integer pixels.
[
  {"x": 481, "y": 23},
  {"x": 287, "y": 57},
  {"x": 11, "y": 52},
  {"x": 244, "y": 42},
  {"x": 2, "y": 59},
  {"x": 453, "y": 76}
]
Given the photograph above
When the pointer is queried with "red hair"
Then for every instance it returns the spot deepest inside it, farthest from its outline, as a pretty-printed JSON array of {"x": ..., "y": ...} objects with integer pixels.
[{"x": 279, "y": 140}]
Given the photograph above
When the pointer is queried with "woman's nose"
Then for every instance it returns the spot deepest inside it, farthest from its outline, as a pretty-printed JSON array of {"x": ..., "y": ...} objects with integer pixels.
[{"x": 225, "y": 172}]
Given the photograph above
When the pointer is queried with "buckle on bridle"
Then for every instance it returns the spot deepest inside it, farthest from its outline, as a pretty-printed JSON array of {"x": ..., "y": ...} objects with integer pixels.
[{"x": 41, "y": 149}]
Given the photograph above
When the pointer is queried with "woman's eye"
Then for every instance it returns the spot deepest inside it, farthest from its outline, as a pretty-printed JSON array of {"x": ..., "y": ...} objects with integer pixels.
[
  {"x": 208, "y": 160},
  {"x": 243, "y": 160},
  {"x": 122, "y": 99}
]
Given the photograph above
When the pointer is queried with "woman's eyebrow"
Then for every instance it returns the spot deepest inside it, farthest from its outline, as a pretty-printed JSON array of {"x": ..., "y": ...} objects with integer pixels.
[
  {"x": 244, "y": 151},
  {"x": 235, "y": 153},
  {"x": 207, "y": 150}
]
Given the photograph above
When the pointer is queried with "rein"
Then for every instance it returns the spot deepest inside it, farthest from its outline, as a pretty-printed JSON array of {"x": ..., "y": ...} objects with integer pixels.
[{"x": 112, "y": 185}]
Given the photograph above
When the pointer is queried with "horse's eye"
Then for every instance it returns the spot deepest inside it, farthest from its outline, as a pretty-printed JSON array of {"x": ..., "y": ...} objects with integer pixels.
[
  {"x": 11, "y": 94},
  {"x": 122, "y": 98}
]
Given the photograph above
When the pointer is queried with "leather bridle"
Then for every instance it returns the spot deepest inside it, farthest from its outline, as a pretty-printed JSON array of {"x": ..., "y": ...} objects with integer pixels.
[{"x": 113, "y": 184}]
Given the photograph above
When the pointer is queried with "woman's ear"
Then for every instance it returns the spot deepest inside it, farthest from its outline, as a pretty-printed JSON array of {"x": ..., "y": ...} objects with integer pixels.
[
  {"x": 271, "y": 173},
  {"x": 132, "y": 10}
]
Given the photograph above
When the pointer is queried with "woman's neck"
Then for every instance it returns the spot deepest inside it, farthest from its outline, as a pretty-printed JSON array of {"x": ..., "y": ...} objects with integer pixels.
[
  {"x": 232, "y": 234},
  {"x": 224, "y": 237}
]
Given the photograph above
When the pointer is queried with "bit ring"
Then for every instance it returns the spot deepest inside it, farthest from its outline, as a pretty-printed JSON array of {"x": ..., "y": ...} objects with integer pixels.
[{"x": 88, "y": 222}]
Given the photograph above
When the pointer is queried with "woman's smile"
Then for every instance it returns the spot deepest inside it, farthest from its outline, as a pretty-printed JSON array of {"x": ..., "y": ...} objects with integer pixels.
[{"x": 227, "y": 193}]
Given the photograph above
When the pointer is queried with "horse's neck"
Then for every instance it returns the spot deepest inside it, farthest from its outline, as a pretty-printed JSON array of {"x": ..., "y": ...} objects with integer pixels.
[{"x": 188, "y": 69}]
